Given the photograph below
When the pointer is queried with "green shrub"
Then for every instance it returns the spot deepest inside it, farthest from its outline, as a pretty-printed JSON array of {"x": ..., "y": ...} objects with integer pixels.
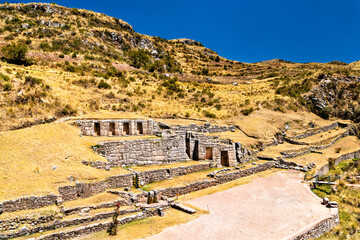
[
  {"x": 32, "y": 81},
  {"x": 4, "y": 77},
  {"x": 209, "y": 114},
  {"x": 247, "y": 111},
  {"x": 61, "y": 56},
  {"x": 7, "y": 87},
  {"x": 140, "y": 58},
  {"x": 15, "y": 53},
  {"x": 205, "y": 71},
  {"x": 45, "y": 46},
  {"x": 104, "y": 85},
  {"x": 67, "y": 111}
]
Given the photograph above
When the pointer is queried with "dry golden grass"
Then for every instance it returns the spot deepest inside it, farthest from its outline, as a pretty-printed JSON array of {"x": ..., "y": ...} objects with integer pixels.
[
  {"x": 27, "y": 156},
  {"x": 237, "y": 136},
  {"x": 322, "y": 137},
  {"x": 263, "y": 124},
  {"x": 180, "y": 180},
  {"x": 346, "y": 145},
  {"x": 147, "y": 227},
  {"x": 39, "y": 211},
  {"x": 170, "y": 165},
  {"x": 93, "y": 200},
  {"x": 274, "y": 151}
]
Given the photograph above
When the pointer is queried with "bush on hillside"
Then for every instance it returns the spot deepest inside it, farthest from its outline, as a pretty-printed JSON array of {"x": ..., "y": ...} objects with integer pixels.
[
  {"x": 16, "y": 53},
  {"x": 140, "y": 58}
]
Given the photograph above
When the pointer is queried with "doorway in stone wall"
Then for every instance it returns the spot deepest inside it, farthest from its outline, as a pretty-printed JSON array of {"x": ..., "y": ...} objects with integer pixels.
[
  {"x": 140, "y": 128},
  {"x": 209, "y": 153},
  {"x": 126, "y": 129},
  {"x": 112, "y": 129},
  {"x": 225, "y": 158},
  {"x": 97, "y": 129}
]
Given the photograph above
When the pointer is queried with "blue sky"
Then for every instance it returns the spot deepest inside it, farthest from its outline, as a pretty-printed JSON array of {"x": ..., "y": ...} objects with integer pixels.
[{"x": 248, "y": 31}]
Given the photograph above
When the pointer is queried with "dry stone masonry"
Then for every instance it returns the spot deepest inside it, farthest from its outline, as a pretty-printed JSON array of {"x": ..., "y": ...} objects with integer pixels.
[
  {"x": 116, "y": 127},
  {"x": 144, "y": 151}
]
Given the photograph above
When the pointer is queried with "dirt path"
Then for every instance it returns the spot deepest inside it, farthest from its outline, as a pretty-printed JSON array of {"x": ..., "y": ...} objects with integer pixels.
[{"x": 267, "y": 208}]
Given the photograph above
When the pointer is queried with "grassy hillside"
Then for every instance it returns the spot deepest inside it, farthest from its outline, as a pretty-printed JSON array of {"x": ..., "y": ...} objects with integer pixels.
[
  {"x": 348, "y": 198},
  {"x": 79, "y": 62}
]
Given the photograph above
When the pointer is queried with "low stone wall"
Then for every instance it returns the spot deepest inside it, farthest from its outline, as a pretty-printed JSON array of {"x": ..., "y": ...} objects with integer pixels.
[
  {"x": 318, "y": 229},
  {"x": 96, "y": 227},
  {"x": 144, "y": 151},
  {"x": 219, "y": 179},
  {"x": 28, "y": 203},
  {"x": 316, "y": 131},
  {"x": 33, "y": 219},
  {"x": 325, "y": 169},
  {"x": 157, "y": 175},
  {"x": 227, "y": 177},
  {"x": 75, "y": 210},
  {"x": 300, "y": 152},
  {"x": 84, "y": 190},
  {"x": 67, "y": 223},
  {"x": 206, "y": 128},
  {"x": 97, "y": 164},
  {"x": 195, "y": 186}
]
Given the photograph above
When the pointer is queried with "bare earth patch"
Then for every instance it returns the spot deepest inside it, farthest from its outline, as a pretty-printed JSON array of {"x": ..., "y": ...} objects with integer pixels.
[{"x": 274, "y": 207}]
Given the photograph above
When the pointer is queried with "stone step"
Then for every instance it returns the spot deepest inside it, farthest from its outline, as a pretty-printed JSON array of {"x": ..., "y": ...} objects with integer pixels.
[{"x": 183, "y": 208}]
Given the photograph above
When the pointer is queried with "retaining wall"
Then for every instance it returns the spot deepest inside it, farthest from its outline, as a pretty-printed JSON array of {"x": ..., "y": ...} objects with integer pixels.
[
  {"x": 31, "y": 202},
  {"x": 144, "y": 151},
  {"x": 316, "y": 131},
  {"x": 84, "y": 190},
  {"x": 318, "y": 229},
  {"x": 206, "y": 128},
  {"x": 325, "y": 169},
  {"x": 219, "y": 179}
]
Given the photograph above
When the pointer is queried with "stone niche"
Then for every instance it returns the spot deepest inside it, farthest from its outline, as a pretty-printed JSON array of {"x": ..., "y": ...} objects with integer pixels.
[
  {"x": 202, "y": 147},
  {"x": 116, "y": 127}
]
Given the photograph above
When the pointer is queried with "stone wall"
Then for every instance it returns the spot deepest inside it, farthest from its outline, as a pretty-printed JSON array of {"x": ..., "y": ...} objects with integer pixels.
[
  {"x": 206, "y": 128},
  {"x": 325, "y": 169},
  {"x": 316, "y": 131},
  {"x": 227, "y": 177},
  {"x": 116, "y": 127},
  {"x": 306, "y": 150},
  {"x": 157, "y": 175},
  {"x": 197, "y": 146},
  {"x": 219, "y": 179},
  {"x": 84, "y": 190},
  {"x": 75, "y": 210},
  {"x": 28, "y": 203},
  {"x": 96, "y": 227},
  {"x": 67, "y": 223},
  {"x": 144, "y": 151},
  {"x": 319, "y": 228}
]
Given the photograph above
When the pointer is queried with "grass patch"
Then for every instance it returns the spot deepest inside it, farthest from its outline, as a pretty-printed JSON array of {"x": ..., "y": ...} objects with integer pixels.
[{"x": 147, "y": 227}]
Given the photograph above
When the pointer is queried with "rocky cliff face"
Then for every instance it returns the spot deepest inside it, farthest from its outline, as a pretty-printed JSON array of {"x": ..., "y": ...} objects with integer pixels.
[{"x": 336, "y": 96}]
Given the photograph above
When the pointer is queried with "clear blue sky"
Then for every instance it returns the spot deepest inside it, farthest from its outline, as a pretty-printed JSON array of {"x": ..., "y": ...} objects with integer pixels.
[{"x": 247, "y": 30}]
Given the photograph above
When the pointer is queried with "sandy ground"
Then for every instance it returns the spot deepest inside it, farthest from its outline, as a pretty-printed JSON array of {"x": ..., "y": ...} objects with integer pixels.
[{"x": 267, "y": 208}]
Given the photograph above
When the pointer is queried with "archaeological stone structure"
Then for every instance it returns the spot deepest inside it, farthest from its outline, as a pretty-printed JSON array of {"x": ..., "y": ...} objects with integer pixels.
[
  {"x": 116, "y": 127},
  {"x": 175, "y": 143},
  {"x": 144, "y": 151}
]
